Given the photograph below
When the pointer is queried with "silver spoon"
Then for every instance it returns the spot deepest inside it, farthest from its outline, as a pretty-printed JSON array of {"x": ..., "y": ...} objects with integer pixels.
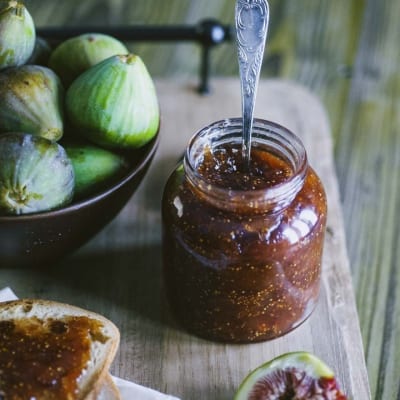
[{"x": 251, "y": 18}]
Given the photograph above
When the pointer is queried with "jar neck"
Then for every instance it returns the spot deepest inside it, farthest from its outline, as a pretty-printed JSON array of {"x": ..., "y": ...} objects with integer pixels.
[{"x": 266, "y": 136}]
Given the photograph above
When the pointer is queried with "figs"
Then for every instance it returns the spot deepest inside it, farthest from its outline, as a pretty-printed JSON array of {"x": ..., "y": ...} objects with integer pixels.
[
  {"x": 17, "y": 34},
  {"x": 298, "y": 375},
  {"x": 79, "y": 53},
  {"x": 94, "y": 167},
  {"x": 35, "y": 174},
  {"x": 31, "y": 101},
  {"x": 114, "y": 103}
]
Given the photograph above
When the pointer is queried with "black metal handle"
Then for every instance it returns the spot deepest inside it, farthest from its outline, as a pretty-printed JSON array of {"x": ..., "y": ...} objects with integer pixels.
[{"x": 208, "y": 33}]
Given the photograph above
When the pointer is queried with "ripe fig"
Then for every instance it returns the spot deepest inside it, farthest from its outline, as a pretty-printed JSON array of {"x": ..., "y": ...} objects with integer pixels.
[
  {"x": 31, "y": 100},
  {"x": 114, "y": 103},
  {"x": 94, "y": 167},
  {"x": 17, "y": 34},
  {"x": 292, "y": 376},
  {"x": 35, "y": 174},
  {"x": 79, "y": 53}
]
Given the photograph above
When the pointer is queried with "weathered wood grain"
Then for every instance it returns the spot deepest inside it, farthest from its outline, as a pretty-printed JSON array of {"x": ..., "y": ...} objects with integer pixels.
[
  {"x": 368, "y": 159},
  {"x": 118, "y": 273}
]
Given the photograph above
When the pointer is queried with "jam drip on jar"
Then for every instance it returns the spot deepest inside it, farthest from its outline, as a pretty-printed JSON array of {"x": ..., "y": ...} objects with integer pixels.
[{"x": 45, "y": 358}]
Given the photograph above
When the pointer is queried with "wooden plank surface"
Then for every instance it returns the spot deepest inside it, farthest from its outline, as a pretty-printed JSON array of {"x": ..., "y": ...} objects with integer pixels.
[{"x": 118, "y": 272}]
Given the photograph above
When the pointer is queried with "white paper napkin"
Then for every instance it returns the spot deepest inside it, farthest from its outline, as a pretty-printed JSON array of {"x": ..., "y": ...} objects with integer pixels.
[{"x": 128, "y": 390}]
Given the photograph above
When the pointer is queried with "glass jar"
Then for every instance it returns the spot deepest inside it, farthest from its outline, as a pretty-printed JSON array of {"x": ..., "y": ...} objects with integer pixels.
[{"x": 242, "y": 245}]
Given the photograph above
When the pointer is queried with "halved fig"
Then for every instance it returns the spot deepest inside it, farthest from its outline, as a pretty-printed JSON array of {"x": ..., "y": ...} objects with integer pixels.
[{"x": 292, "y": 376}]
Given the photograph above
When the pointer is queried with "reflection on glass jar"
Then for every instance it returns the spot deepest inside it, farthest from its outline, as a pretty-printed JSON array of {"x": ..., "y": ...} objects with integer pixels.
[{"x": 242, "y": 244}]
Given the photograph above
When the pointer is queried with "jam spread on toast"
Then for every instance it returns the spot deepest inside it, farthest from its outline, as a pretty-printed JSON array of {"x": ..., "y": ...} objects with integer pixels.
[{"x": 45, "y": 358}]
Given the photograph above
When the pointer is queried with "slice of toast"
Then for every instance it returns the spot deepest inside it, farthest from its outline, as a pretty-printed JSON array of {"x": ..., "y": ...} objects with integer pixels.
[{"x": 51, "y": 350}]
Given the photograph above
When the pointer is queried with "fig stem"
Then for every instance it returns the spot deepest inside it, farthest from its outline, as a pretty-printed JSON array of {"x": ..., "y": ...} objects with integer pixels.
[
  {"x": 16, "y": 7},
  {"x": 128, "y": 58}
]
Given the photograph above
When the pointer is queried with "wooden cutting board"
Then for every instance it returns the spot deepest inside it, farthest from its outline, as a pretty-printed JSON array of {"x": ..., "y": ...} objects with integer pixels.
[{"x": 118, "y": 272}]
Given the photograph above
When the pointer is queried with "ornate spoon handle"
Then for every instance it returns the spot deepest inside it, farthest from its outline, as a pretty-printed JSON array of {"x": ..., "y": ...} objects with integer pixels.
[{"x": 251, "y": 17}]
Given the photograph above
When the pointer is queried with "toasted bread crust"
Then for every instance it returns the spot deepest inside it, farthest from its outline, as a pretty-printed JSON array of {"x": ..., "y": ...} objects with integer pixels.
[
  {"x": 96, "y": 380},
  {"x": 105, "y": 390}
]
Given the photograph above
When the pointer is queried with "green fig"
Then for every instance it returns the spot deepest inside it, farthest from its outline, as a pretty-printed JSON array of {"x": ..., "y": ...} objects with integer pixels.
[
  {"x": 17, "y": 34},
  {"x": 114, "y": 103},
  {"x": 94, "y": 167},
  {"x": 35, "y": 174},
  {"x": 79, "y": 53},
  {"x": 31, "y": 100}
]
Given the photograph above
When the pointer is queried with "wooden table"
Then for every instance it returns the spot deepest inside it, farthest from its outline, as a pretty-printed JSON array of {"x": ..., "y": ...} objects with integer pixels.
[{"x": 118, "y": 272}]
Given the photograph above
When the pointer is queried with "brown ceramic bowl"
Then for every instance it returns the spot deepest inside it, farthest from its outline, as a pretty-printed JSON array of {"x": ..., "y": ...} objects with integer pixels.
[{"x": 37, "y": 240}]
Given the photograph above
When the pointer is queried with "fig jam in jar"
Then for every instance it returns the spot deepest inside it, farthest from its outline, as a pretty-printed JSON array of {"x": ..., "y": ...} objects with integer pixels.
[{"x": 242, "y": 244}]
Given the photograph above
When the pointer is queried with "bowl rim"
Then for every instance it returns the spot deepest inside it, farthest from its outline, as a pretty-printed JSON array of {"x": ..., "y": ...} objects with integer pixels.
[{"x": 150, "y": 149}]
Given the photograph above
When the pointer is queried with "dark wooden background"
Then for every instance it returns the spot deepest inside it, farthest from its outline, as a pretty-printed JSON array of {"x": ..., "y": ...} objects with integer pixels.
[{"x": 348, "y": 53}]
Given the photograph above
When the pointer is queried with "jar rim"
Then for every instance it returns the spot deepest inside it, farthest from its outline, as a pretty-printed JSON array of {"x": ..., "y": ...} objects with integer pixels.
[{"x": 269, "y": 133}]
